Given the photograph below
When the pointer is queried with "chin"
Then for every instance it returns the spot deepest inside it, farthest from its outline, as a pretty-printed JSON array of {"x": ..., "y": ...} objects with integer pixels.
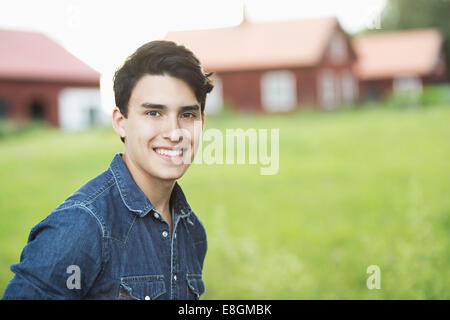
[{"x": 170, "y": 174}]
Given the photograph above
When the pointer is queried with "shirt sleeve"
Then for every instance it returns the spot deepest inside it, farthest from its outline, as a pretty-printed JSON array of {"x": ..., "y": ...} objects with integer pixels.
[{"x": 62, "y": 258}]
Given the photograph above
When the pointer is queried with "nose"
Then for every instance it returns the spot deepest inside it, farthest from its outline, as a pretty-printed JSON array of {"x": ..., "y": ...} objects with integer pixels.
[{"x": 173, "y": 132}]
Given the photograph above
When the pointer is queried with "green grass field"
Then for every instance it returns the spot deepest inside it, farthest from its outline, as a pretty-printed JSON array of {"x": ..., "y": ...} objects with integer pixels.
[{"x": 355, "y": 188}]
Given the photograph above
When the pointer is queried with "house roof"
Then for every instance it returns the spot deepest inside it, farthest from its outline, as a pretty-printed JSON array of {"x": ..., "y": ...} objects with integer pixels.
[
  {"x": 296, "y": 43},
  {"x": 28, "y": 55},
  {"x": 387, "y": 54}
]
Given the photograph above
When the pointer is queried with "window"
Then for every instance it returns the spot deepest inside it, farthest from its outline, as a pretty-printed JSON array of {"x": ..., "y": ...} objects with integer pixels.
[
  {"x": 338, "y": 48},
  {"x": 407, "y": 83},
  {"x": 278, "y": 91},
  {"x": 3, "y": 109},
  {"x": 348, "y": 86},
  {"x": 327, "y": 89}
]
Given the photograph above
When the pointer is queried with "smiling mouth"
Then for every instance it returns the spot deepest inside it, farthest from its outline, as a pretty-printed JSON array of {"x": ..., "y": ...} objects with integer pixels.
[{"x": 169, "y": 153}]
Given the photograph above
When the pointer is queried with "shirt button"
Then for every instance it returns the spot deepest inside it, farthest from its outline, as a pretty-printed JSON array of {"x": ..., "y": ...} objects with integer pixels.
[
  {"x": 147, "y": 298},
  {"x": 156, "y": 215},
  {"x": 165, "y": 234},
  {"x": 175, "y": 235},
  {"x": 175, "y": 277}
]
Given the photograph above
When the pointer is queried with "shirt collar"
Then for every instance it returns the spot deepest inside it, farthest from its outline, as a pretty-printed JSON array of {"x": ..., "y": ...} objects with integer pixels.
[{"x": 135, "y": 199}]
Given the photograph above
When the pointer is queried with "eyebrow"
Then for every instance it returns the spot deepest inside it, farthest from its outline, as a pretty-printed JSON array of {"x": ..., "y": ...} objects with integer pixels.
[{"x": 148, "y": 105}]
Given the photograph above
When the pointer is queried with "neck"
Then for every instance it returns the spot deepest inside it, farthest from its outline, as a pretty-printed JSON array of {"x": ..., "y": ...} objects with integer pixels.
[{"x": 158, "y": 191}]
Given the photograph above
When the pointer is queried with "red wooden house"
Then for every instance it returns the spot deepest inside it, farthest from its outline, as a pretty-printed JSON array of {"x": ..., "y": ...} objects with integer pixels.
[
  {"x": 276, "y": 66},
  {"x": 39, "y": 79},
  {"x": 398, "y": 61}
]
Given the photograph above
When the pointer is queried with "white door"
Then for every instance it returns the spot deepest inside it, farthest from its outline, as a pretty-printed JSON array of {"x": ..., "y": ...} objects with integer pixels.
[{"x": 80, "y": 108}]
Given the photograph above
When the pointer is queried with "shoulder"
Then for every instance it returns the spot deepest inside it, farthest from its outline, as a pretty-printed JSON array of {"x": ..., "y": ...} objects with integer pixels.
[
  {"x": 71, "y": 222},
  {"x": 99, "y": 198},
  {"x": 74, "y": 220},
  {"x": 92, "y": 189}
]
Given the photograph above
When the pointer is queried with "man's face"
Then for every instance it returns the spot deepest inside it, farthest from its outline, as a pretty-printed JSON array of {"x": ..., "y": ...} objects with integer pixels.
[{"x": 163, "y": 126}]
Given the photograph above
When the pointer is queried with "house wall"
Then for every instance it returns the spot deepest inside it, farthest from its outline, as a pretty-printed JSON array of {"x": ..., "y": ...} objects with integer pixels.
[
  {"x": 306, "y": 86},
  {"x": 371, "y": 90},
  {"x": 21, "y": 97},
  {"x": 379, "y": 89},
  {"x": 337, "y": 62},
  {"x": 243, "y": 88}
]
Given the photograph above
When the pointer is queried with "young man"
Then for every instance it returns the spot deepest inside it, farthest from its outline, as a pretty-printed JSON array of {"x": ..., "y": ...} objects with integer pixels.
[{"x": 129, "y": 233}]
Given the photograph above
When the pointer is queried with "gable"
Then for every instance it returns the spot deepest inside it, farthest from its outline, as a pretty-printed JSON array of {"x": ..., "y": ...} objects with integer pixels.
[{"x": 253, "y": 46}]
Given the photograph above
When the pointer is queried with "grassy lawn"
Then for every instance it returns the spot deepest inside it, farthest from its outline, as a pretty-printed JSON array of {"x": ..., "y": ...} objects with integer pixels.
[{"x": 355, "y": 188}]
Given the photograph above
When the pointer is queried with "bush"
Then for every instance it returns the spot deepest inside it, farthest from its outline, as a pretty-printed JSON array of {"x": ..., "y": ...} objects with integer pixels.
[
  {"x": 430, "y": 95},
  {"x": 435, "y": 94},
  {"x": 7, "y": 128},
  {"x": 10, "y": 128}
]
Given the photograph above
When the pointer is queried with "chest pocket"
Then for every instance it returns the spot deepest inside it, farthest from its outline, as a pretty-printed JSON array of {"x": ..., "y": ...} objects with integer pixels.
[
  {"x": 141, "y": 287},
  {"x": 196, "y": 287}
]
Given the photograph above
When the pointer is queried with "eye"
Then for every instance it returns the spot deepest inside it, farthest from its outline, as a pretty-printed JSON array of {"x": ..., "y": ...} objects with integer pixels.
[
  {"x": 153, "y": 113},
  {"x": 189, "y": 115}
]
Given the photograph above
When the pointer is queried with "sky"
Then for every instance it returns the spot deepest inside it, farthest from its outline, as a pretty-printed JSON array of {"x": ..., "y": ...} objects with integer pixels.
[{"x": 103, "y": 33}]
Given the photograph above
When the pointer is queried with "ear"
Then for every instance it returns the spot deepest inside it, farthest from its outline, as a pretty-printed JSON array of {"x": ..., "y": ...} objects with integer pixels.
[{"x": 118, "y": 122}]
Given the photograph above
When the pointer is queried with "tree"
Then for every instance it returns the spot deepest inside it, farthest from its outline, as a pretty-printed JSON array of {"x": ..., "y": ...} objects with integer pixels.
[{"x": 411, "y": 14}]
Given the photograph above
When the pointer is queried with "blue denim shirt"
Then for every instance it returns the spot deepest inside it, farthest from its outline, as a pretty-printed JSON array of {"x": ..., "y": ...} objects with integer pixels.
[{"x": 107, "y": 241}]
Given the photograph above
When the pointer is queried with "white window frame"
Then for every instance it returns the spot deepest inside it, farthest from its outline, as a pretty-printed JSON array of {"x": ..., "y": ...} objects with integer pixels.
[
  {"x": 326, "y": 85},
  {"x": 278, "y": 91},
  {"x": 214, "y": 99},
  {"x": 407, "y": 83}
]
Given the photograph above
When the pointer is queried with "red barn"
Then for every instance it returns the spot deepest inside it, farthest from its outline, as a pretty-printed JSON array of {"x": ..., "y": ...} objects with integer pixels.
[
  {"x": 39, "y": 79},
  {"x": 276, "y": 66},
  {"x": 396, "y": 61}
]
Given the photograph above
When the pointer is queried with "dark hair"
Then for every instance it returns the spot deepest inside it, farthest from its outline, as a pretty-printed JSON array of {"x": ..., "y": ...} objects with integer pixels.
[{"x": 158, "y": 58}]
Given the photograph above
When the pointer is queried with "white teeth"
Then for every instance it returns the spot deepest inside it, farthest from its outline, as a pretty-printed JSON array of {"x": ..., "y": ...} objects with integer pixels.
[{"x": 170, "y": 153}]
